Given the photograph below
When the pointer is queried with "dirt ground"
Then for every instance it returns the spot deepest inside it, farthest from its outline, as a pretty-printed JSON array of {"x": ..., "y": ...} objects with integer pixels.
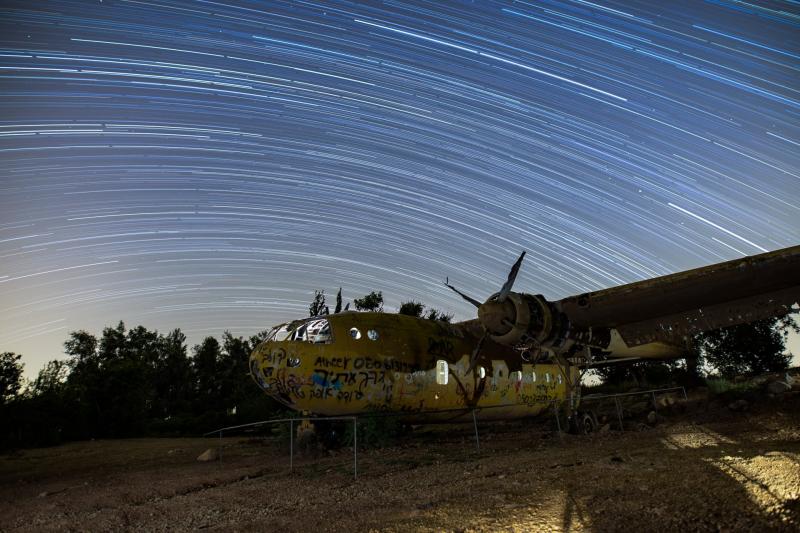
[{"x": 704, "y": 468}]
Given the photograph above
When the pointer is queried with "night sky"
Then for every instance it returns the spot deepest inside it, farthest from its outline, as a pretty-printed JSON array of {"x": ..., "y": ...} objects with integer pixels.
[{"x": 206, "y": 165}]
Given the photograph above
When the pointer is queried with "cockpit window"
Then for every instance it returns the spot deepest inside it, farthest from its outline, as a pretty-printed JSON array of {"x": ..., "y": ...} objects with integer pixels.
[
  {"x": 319, "y": 331},
  {"x": 280, "y": 333},
  {"x": 316, "y": 331}
]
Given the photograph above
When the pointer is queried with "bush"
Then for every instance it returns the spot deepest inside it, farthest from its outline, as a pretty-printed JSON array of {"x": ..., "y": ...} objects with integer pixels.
[{"x": 724, "y": 387}]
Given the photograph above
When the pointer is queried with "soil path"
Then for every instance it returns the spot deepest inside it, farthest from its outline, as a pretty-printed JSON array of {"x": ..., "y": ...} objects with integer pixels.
[{"x": 708, "y": 471}]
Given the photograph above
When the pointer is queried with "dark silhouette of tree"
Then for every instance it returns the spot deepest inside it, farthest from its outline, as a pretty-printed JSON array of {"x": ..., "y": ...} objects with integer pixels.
[
  {"x": 133, "y": 383},
  {"x": 338, "y": 308},
  {"x": 318, "y": 306},
  {"x": 441, "y": 316},
  {"x": 51, "y": 378},
  {"x": 112, "y": 343},
  {"x": 748, "y": 349},
  {"x": 84, "y": 382},
  {"x": 174, "y": 376},
  {"x": 81, "y": 346},
  {"x": 10, "y": 376},
  {"x": 411, "y": 308},
  {"x": 414, "y": 308},
  {"x": 371, "y": 302},
  {"x": 48, "y": 413},
  {"x": 258, "y": 338},
  {"x": 205, "y": 361},
  {"x": 234, "y": 364}
]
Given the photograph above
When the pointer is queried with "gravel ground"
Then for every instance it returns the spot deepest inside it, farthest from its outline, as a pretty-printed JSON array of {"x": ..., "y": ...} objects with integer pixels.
[{"x": 705, "y": 469}]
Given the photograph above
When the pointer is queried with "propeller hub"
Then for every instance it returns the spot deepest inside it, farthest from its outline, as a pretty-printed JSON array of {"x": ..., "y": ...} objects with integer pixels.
[{"x": 497, "y": 317}]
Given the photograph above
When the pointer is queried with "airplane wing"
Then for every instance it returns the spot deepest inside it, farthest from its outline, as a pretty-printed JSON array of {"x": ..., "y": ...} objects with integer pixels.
[{"x": 673, "y": 307}]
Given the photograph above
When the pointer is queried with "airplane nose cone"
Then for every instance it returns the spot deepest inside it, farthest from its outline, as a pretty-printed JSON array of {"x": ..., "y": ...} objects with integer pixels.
[{"x": 497, "y": 317}]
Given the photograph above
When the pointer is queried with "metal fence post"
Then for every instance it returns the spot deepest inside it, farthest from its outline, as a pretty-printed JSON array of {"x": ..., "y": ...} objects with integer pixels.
[
  {"x": 558, "y": 420},
  {"x": 477, "y": 439},
  {"x": 291, "y": 445},
  {"x": 355, "y": 448},
  {"x": 619, "y": 414}
]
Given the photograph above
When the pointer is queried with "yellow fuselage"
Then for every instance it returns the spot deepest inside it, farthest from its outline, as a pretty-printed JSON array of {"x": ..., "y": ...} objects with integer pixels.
[{"x": 386, "y": 362}]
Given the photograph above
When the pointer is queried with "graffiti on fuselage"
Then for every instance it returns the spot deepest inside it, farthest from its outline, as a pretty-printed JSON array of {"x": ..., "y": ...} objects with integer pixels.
[
  {"x": 346, "y": 383},
  {"x": 542, "y": 393},
  {"x": 344, "y": 378},
  {"x": 365, "y": 363}
]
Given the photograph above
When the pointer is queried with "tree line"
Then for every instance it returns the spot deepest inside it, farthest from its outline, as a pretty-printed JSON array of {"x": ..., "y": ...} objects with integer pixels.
[
  {"x": 131, "y": 383},
  {"x": 373, "y": 302},
  {"x": 741, "y": 350}
]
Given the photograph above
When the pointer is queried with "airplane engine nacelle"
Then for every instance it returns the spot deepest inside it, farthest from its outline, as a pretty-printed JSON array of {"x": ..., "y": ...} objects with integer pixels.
[{"x": 519, "y": 319}]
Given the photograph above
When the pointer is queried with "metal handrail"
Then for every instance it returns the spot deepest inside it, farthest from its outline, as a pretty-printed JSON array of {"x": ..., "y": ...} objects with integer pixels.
[{"x": 291, "y": 435}]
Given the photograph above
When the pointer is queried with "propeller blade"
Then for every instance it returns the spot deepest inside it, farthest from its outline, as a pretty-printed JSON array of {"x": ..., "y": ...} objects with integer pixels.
[
  {"x": 501, "y": 297},
  {"x": 473, "y": 301},
  {"x": 473, "y": 359}
]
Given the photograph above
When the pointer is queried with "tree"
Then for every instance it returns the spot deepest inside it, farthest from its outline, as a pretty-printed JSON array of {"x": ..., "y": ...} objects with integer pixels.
[
  {"x": 338, "y": 308},
  {"x": 441, "y": 316},
  {"x": 753, "y": 348},
  {"x": 174, "y": 378},
  {"x": 205, "y": 362},
  {"x": 10, "y": 376},
  {"x": 411, "y": 308},
  {"x": 318, "y": 306},
  {"x": 81, "y": 346},
  {"x": 112, "y": 343},
  {"x": 258, "y": 338},
  {"x": 371, "y": 302},
  {"x": 233, "y": 368},
  {"x": 51, "y": 378}
]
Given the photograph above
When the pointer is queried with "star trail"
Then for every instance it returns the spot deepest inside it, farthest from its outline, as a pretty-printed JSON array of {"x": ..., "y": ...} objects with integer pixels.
[{"x": 207, "y": 165}]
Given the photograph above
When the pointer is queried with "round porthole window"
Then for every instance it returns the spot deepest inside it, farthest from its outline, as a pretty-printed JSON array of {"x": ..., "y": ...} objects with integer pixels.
[
  {"x": 558, "y": 379},
  {"x": 372, "y": 335},
  {"x": 355, "y": 333}
]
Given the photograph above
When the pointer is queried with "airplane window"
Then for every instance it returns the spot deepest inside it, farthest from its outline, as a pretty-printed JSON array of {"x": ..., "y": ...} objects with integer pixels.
[
  {"x": 300, "y": 333},
  {"x": 558, "y": 379},
  {"x": 442, "y": 372},
  {"x": 355, "y": 333},
  {"x": 533, "y": 376},
  {"x": 372, "y": 334},
  {"x": 481, "y": 372},
  {"x": 547, "y": 377},
  {"x": 283, "y": 333},
  {"x": 293, "y": 362},
  {"x": 319, "y": 331},
  {"x": 516, "y": 376}
]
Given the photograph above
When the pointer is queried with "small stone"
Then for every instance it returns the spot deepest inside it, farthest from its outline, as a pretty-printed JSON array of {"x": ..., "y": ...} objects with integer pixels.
[{"x": 211, "y": 454}]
